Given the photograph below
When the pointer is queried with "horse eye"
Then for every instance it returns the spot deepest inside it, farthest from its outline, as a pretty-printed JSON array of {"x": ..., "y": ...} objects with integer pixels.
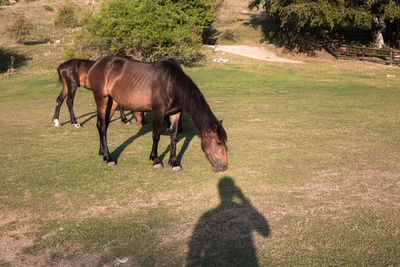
[{"x": 219, "y": 143}]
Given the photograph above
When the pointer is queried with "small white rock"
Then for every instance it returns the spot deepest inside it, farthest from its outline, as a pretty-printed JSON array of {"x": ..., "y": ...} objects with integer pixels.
[{"x": 122, "y": 260}]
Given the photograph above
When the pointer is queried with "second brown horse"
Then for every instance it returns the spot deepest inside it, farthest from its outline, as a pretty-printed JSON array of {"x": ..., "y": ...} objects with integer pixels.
[
  {"x": 163, "y": 88},
  {"x": 72, "y": 74}
]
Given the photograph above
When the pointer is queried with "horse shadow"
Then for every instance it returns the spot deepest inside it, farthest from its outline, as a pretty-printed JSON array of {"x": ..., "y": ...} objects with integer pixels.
[
  {"x": 89, "y": 115},
  {"x": 188, "y": 133},
  {"x": 93, "y": 114},
  {"x": 222, "y": 236}
]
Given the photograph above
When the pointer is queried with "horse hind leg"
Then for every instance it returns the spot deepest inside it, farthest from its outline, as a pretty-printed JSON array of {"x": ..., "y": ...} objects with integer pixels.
[
  {"x": 59, "y": 101},
  {"x": 174, "y": 126},
  {"x": 139, "y": 117},
  {"x": 123, "y": 116}
]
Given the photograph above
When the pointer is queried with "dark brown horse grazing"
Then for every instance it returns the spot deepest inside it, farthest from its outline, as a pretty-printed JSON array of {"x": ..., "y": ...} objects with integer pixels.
[
  {"x": 166, "y": 90},
  {"x": 72, "y": 74}
]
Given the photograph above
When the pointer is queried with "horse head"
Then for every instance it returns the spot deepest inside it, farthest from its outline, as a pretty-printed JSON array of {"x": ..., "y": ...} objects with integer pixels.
[{"x": 213, "y": 143}]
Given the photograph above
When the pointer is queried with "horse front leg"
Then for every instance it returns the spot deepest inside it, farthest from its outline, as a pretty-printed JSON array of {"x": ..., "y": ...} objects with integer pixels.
[
  {"x": 157, "y": 122},
  {"x": 104, "y": 115},
  {"x": 173, "y": 161}
]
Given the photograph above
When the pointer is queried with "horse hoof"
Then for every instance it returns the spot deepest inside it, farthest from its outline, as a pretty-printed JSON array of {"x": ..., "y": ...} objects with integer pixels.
[
  {"x": 128, "y": 123},
  {"x": 111, "y": 164},
  {"x": 177, "y": 168},
  {"x": 56, "y": 123},
  {"x": 77, "y": 125},
  {"x": 158, "y": 166}
]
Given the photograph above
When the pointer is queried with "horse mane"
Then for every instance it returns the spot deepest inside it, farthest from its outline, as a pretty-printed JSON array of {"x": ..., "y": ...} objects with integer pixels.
[{"x": 190, "y": 97}]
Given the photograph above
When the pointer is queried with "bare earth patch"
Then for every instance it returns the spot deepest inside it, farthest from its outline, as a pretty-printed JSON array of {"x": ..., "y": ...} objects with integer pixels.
[{"x": 252, "y": 52}]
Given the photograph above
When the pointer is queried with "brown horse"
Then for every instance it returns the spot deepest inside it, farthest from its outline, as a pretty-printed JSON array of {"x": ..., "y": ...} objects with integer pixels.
[
  {"x": 163, "y": 88},
  {"x": 72, "y": 74}
]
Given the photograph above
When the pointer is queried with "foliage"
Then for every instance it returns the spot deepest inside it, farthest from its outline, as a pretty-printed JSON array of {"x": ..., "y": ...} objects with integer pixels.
[
  {"x": 67, "y": 16},
  {"x": 7, "y": 2},
  {"x": 20, "y": 29},
  {"x": 308, "y": 17},
  {"x": 48, "y": 8},
  {"x": 227, "y": 34},
  {"x": 147, "y": 29}
]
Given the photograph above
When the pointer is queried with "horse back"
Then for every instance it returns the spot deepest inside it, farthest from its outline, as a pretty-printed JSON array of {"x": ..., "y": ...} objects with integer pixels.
[
  {"x": 128, "y": 82},
  {"x": 74, "y": 72}
]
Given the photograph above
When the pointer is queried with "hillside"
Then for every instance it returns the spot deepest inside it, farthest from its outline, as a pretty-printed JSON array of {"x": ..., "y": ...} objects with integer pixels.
[
  {"x": 233, "y": 26},
  {"x": 38, "y": 53}
]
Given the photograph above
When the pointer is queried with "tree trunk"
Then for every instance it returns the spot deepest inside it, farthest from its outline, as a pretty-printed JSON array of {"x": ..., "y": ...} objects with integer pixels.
[
  {"x": 377, "y": 33},
  {"x": 378, "y": 39}
]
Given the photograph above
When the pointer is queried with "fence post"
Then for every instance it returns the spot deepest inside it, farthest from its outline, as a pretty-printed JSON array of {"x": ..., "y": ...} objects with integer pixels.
[
  {"x": 363, "y": 51},
  {"x": 391, "y": 56}
]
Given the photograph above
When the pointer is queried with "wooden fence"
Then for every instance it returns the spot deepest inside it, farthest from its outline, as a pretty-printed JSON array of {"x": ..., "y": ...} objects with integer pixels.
[{"x": 384, "y": 56}]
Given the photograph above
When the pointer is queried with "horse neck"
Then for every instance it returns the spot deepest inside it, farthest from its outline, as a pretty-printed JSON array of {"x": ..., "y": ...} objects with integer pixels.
[{"x": 195, "y": 105}]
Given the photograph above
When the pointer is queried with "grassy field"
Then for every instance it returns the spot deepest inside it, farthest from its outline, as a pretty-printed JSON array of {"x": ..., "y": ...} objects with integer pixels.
[{"x": 313, "y": 178}]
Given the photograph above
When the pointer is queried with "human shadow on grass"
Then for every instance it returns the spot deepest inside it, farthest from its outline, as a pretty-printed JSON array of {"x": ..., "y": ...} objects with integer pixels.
[
  {"x": 222, "y": 236},
  {"x": 188, "y": 133}
]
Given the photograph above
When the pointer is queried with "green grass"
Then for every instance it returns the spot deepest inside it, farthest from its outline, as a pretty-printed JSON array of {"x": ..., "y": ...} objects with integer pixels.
[{"x": 314, "y": 147}]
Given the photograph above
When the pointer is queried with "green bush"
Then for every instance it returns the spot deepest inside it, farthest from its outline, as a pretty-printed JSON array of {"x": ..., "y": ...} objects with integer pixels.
[
  {"x": 7, "y": 2},
  {"x": 20, "y": 29},
  {"x": 48, "y": 8},
  {"x": 147, "y": 29},
  {"x": 4, "y": 2},
  {"x": 66, "y": 16}
]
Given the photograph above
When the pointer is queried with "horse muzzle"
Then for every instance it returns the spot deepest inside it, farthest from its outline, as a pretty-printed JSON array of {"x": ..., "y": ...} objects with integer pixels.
[{"x": 220, "y": 167}]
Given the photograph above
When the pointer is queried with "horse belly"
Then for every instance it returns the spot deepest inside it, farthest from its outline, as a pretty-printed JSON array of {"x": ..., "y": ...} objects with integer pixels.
[{"x": 136, "y": 100}]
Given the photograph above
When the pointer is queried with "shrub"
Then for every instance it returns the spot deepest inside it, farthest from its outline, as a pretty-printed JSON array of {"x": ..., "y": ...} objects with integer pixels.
[
  {"x": 148, "y": 29},
  {"x": 48, "y": 8},
  {"x": 228, "y": 34},
  {"x": 20, "y": 29},
  {"x": 4, "y": 2},
  {"x": 66, "y": 16}
]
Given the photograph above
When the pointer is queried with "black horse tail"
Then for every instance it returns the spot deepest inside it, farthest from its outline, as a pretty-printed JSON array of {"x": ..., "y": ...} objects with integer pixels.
[{"x": 59, "y": 82}]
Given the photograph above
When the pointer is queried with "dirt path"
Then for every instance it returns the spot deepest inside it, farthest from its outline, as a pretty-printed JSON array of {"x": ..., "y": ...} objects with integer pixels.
[{"x": 252, "y": 52}]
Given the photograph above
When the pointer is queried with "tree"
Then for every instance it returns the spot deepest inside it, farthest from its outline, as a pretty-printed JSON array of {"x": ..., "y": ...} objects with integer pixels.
[
  {"x": 307, "y": 16},
  {"x": 66, "y": 16},
  {"x": 148, "y": 29},
  {"x": 392, "y": 22}
]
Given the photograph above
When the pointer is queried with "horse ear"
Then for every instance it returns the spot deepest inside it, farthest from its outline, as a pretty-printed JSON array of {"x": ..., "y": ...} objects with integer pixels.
[
  {"x": 220, "y": 122},
  {"x": 214, "y": 127}
]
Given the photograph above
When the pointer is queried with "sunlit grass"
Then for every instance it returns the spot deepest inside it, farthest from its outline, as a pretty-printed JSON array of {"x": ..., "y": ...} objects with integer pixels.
[{"x": 313, "y": 146}]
